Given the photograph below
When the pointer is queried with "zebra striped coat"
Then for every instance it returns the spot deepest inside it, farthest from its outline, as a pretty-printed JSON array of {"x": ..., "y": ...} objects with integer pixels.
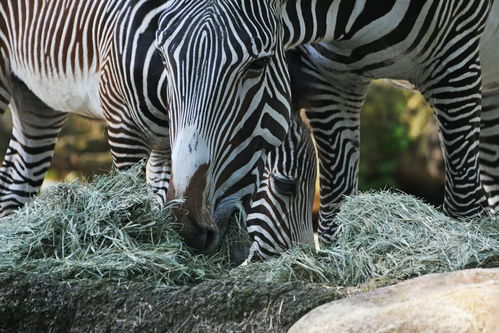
[
  {"x": 435, "y": 46},
  {"x": 98, "y": 59},
  {"x": 236, "y": 49},
  {"x": 228, "y": 88}
]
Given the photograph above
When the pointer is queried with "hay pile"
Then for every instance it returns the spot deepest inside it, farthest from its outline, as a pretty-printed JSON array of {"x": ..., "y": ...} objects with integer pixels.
[
  {"x": 110, "y": 229},
  {"x": 386, "y": 237},
  {"x": 107, "y": 228}
]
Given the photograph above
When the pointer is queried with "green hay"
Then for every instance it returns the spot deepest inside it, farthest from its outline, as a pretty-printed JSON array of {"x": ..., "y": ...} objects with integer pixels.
[
  {"x": 110, "y": 228},
  {"x": 398, "y": 236},
  {"x": 386, "y": 237}
]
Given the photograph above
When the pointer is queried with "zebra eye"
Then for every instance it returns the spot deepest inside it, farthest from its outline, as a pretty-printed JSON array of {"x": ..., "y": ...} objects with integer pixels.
[
  {"x": 284, "y": 186},
  {"x": 256, "y": 67}
]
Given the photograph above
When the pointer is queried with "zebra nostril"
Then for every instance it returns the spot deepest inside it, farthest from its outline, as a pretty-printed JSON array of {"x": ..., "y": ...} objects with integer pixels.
[
  {"x": 202, "y": 239},
  {"x": 211, "y": 242}
]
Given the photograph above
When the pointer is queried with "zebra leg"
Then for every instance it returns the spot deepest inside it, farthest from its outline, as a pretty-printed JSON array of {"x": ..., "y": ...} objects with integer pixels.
[
  {"x": 489, "y": 146},
  {"x": 454, "y": 90},
  {"x": 158, "y": 173},
  {"x": 334, "y": 116},
  {"x": 28, "y": 157},
  {"x": 128, "y": 146},
  {"x": 5, "y": 94}
]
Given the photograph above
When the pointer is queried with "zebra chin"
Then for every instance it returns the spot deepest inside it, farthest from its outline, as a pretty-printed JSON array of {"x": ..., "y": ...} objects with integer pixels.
[{"x": 199, "y": 229}]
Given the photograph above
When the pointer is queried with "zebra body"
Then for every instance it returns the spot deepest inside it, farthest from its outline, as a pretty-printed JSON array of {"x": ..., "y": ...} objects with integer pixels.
[
  {"x": 489, "y": 135},
  {"x": 98, "y": 59},
  {"x": 435, "y": 46},
  {"x": 92, "y": 58}
]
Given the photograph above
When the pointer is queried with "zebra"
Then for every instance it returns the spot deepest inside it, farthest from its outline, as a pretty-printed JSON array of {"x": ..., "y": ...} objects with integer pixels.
[
  {"x": 92, "y": 58},
  {"x": 280, "y": 216},
  {"x": 99, "y": 60},
  {"x": 229, "y": 105},
  {"x": 441, "y": 62},
  {"x": 221, "y": 55},
  {"x": 228, "y": 91}
]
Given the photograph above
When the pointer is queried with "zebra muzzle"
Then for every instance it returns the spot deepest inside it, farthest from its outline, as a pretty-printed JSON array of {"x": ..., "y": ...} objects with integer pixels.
[
  {"x": 201, "y": 236},
  {"x": 199, "y": 229}
]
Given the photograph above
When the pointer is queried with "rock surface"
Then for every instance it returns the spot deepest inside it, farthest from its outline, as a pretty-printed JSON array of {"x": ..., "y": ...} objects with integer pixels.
[{"x": 466, "y": 301}]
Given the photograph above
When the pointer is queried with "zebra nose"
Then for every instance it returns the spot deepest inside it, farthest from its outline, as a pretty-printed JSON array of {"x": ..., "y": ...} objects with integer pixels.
[
  {"x": 200, "y": 237},
  {"x": 199, "y": 229}
]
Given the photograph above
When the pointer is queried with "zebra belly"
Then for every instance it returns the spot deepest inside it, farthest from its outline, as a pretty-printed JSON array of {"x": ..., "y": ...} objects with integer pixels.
[{"x": 78, "y": 93}]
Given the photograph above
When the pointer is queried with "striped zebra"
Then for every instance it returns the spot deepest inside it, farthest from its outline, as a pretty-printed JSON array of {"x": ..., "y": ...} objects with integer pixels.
[
  {"x": 280, "y": 216},
  {"x": 435, "y": 46},
  {"x": 98, "y": 59},
  {"x": 92, "y": 58},
  {"x": 230, "y": 101},
  {"x": 229, "y": 92}
]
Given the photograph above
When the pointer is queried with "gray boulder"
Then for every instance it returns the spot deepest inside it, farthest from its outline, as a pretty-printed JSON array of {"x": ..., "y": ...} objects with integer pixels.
[{"x": 465, "y": 301}]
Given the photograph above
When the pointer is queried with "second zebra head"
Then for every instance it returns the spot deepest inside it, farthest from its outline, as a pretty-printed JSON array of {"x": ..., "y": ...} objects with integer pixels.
[{"x": 280, "y": 216}]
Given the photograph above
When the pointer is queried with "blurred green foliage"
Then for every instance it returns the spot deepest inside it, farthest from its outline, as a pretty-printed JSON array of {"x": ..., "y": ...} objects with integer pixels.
[
  {"x": 399, "y": 141},
  {"x": 82, "y": 149}
]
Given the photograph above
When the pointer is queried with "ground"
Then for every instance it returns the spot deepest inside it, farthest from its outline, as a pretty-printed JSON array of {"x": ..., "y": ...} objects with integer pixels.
[{"x": 30, "y": 304}]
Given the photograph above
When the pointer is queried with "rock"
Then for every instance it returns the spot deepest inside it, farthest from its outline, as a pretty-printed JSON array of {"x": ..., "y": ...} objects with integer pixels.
[{"x": 466, "y": 301}]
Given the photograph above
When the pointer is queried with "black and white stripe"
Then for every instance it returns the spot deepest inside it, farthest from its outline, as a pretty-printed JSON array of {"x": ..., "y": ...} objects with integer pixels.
[
  {"x": 99, "y": 59},
  {"x": 433, "y": 44},
  {"x": 281, "y": 214}
]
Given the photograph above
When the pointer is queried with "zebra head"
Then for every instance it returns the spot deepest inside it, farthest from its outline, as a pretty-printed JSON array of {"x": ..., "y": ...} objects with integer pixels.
[
  {"x": 281, "y": 213},
  {"x": 229, "y": 99}
]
